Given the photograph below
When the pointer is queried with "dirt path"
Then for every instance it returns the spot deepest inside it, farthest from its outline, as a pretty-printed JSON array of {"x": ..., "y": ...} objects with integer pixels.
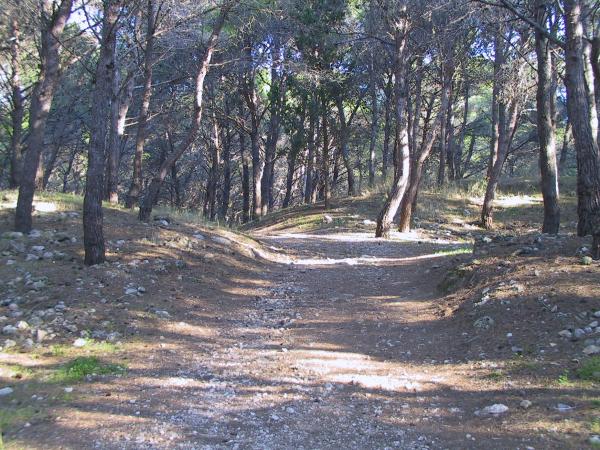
[{"x": 341, "y": 349}]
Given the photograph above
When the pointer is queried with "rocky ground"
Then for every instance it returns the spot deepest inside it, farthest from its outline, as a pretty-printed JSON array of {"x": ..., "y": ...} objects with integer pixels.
[{"x": 308, "y": 334}]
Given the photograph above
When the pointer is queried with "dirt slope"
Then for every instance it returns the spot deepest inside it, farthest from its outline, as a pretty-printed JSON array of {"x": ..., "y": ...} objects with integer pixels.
[{"x": 313, "y": 338}]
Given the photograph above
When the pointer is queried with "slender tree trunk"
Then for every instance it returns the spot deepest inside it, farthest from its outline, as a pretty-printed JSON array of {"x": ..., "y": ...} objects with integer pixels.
[
  {"x": 156, "y": 183},
  {"x": 565, "y": 146},
  {"x": 498, "y": 62},
  {"x": 213, "y": 176},
  {"x": 226, "y": 191},
  {"x": 343, "y": 145},
  {"x": 41, "y": 101},
  {"x": 121, "y": 102},
  {"x": 310, "y": 163},
  {"x": 507, "y": 119},
  {"x": 458, "y": 163},
  {"x": 374, "y": 125},
  {"x": 409, "y": 202},
  {"x": 93, "y": 234},
  {"x": 588, "y": 159},
  {"x": 447, "y": 75},
  {"x": 387, "y": 129},
  {"x": 325, "y": 161},
  {"x": 245, "y": 172},
  {"x": 545, "y": 127},
  {"x": 18, "y": 109},
  {"x": 135, "y": 188},
  {"x": 394, "y": 199}
]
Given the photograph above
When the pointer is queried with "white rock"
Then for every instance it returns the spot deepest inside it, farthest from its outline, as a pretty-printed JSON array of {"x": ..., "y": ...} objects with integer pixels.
[
  {"x": 9, "y": 329},
  {"x": 525, "y": 404},
  {"x": 22, "y": 325},
  {"x": 327, "y": 218},
  {"x": 68, "y": 390},
  {"x": 497, "y": 408},
  {"x": 199, "y": 236},
  {"x": 591, "y": 350},
  {"x": 80, "y": 342},
  {"x": 6, "y": 391},
  {"x": 31, "y": 257},
  {"x": 566, "y": 334},
  {"x": 221, "y": 240}
]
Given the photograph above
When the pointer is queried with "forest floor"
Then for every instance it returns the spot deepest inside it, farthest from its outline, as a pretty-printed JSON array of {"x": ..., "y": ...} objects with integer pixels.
[{"x": 303, "y": 332}]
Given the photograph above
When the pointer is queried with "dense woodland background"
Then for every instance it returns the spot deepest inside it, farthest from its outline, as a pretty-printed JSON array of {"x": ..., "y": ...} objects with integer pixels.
[{"x": 238, "y": 108}]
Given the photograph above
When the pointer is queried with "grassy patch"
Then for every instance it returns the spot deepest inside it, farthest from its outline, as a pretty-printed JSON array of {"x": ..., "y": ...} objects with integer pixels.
[
  {"x": 563, "y": 379},
  {"x": 497, "y": 375},
  {"x": 595, "y": 426},
  {"x": 10, "y": 417},
  {"x": 15, "y": 371},
  {"x": 81, "y": 367},
  {"x": 590, "y": 369},
  {"x": 90, "y": 347},
  {"x": 455, "y": 251}
]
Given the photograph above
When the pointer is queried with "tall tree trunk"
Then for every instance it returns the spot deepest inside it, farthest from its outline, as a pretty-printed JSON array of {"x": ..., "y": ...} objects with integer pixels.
[
  {"x": 135, "y": 188},
  {"x": 545, "y": 126},
  {"x": 387, "y": 130},
  {"x": 226, "y": 191},
  {"x": 245, "y": 171},
  {"x": 53, "y": 20},
  {"x": 276, "y": 94},
  {"x": 213, "y": 175},
  {"x": 156, "y": 183},
  {"x": 310, "y": 143},
  {"x": 390, "y": 208},
  {"x": 507, "y": 120},
  {"x": 409, "y": 202},
  {"x": 343, "y": 145},
  {"x": 93, "y": 234},
  {"x": 121, "y": 102},
  {"x": 18, "y": 109},
  {"x": 588, "y": 159},
  {"x": 498, "y": 62},
  {"x": 565, "y": 146},
  {"x": 374, "y": 124},
  {"x": 458, "y": 163},
  {"x": 447, "y": 75},
  {"x": 325, "y": 155}
]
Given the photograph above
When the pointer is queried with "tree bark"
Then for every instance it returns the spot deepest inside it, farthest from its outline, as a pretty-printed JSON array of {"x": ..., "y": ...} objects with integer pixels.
[
  {"x": 325, "y": 155},
  {"x": 245, "y": 171},
  {"x": 588, "y": 160},
  {"x": 157, "y": 181},
  {"x": 135, "y": 188},
  {"x": 53, "y": 20},
  {"x": 409, "y": 202},
  {"x": 545, "y": 126},
  {"x": 374, "y": 124},
  {"x": 310, "y": 143},
  {"x": 93, "y": 234},
  {"x": 121, "y": 102},
  {"x": 390, "y": 208},
  {"x": 387, "y": 130},
  {"x": 18, "y": 109},
  {"x": 343, "y": 145}
]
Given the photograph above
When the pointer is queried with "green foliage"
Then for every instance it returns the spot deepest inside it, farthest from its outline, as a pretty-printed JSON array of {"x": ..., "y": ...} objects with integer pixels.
[
  {"x": 590, "y": 369},
  {"x": 81, "y": 367}
]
